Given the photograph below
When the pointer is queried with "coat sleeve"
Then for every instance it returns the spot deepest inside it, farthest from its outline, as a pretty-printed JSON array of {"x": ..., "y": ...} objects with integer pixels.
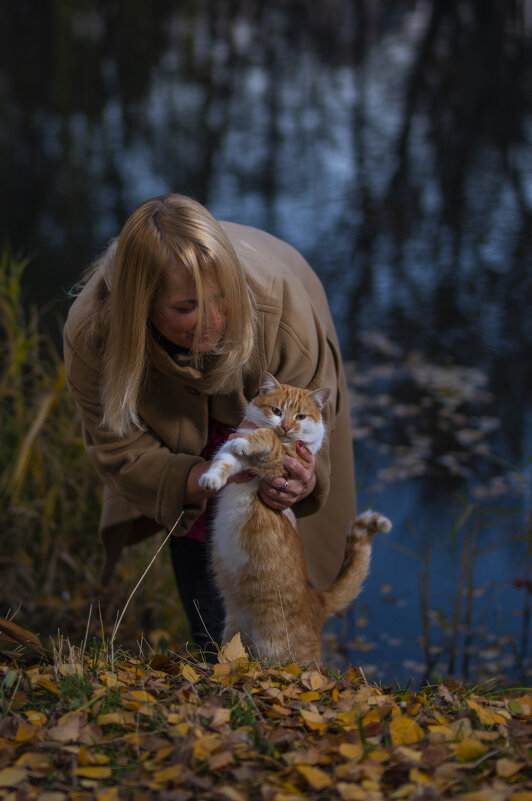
[
  {"x": 138, "y": 465},
  {"x": 301, "y": 349}
]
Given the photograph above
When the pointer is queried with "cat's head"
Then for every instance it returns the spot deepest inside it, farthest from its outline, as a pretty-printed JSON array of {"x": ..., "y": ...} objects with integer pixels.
[{"x": 293, "y": 413}]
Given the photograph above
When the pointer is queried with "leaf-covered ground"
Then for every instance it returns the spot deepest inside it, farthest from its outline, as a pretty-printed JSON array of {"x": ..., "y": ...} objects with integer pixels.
[{"x": 90, "y": 726}]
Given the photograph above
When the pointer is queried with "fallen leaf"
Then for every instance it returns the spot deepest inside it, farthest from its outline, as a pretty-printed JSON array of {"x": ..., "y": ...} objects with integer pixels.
[
  {"x": 233, "y": 651},
  {"x": 351, "y": 792},
  {"x": 313, "y": 720},
  {"x": 67, "y": 732},
  {"x": 315, "y": 777},
  {"x": 487, "y": 717},
  {"x": 106, "y": 794},
  {"x": 508, "y": 767},
  {"x": 47, "y": 684},
  {"x": 174, "y": 773},
  {"x": 404, "y": 730},
  {"x": 93, "y": 772},
  {"x": 15, "y": 633},
  {"x": 118, "y": 718},
  {"x": 11, "y": 777},
  {"x": 311, "y": 695},
  {"x": 352, "y": 751},
  {"x": 36, "y": 718},
  {"x": 189, "y": 674},
  {"x": 314, "y": 680},
  {"x": 221, "y": 761},
  {"x": 470, "y": 750}
]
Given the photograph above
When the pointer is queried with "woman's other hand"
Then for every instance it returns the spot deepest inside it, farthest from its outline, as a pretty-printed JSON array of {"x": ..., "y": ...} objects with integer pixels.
[{"x": 280, "y": 493}]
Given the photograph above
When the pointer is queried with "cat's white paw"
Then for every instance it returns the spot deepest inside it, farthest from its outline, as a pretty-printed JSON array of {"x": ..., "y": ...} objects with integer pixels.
[
  {"x": 240, "y": 446},
  {"x": 369, "y": 523},
  {"x": 211, "y": 481}
]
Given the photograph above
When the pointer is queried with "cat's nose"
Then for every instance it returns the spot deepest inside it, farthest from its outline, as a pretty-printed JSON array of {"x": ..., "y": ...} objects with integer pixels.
[{"x": 286, "y": 428}]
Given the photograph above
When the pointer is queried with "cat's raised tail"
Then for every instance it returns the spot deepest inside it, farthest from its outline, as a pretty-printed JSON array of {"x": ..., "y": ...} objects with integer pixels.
[{"x": 354, "y": 570}]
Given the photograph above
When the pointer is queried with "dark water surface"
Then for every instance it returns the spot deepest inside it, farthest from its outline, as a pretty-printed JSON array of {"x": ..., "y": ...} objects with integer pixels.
[{"x": 391, "y": 143}]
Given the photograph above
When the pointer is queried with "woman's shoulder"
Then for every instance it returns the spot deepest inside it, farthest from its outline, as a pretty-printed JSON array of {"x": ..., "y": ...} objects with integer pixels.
[
  {"x": 278, "y": 274},
  {"x": 264, "y": 254}
]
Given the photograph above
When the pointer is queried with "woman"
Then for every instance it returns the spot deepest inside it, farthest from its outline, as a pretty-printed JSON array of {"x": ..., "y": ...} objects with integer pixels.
[{"x": 164, "y": 346}]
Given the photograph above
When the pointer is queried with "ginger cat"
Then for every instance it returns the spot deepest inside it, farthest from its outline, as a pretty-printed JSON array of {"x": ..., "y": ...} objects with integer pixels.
[{"x": 257, "y": 554}]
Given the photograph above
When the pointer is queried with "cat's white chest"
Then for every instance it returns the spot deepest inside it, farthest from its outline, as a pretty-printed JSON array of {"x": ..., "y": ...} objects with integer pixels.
[{"x": 232, "y": 511}]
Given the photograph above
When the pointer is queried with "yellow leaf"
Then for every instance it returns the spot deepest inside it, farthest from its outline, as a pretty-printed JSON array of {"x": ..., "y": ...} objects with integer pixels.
[
  {"x": 205, "y": 746},
  {"x": 351, "y": 792},
  {"x": 521, "y": 795},
  {"x": 182, "y": 728},
  {"x": 294, "y": 669},
  {"x": 36, "y": 718},
  {"x": 189, "y": 674},
  {"x": 313, "y": 720},
  {"x": 34, "y": 761},
  {"x": 86, "y": 757},
  {"x": 26, "y": 732},
  {"x": 221, "y": 669},
  {"x": 118, "y": 718},
  {"x": 405, "y": 754},
  {"x": 233, "y": 651},
  {"x": 372, "y": 716},
  {"x": 93, "y": 772},
  {"x": 441, "y": 733},
  {"x": 47, "y": 684},
  {"x": 470, "y": 750},
  {"x": 379, "y": 755},
  {"x": 109, "y": 679},
  {"x": 137, "y": 698},
  {"x": 107, "y": 794},
  {"x": 314, "y": 680},
  {"x": 486, "y": 715},
  {"x": 315, "y": 777},
  {"x": 311, "y": 695},
  {"x": 351, "y": 750},
  {"x": 10, "y": 777},
  {"x": 174, "y": 773},
  {"x": 404, "y": 730},
  {"x": 418, "y": 777},
  {"x": 507, "y": 767},
  {"x": 521, "y": 706}
]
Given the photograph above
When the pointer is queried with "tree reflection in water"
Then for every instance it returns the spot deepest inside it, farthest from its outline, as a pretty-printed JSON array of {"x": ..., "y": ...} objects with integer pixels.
[{"x": 388, "y": 140}]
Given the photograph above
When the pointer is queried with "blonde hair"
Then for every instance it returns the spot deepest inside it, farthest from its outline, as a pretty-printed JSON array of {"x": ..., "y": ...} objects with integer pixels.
[{"x": 164, "y": 231}]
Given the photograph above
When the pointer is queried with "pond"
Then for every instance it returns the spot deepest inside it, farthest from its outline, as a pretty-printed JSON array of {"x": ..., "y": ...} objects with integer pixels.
[{"x": 390, "y": 142}]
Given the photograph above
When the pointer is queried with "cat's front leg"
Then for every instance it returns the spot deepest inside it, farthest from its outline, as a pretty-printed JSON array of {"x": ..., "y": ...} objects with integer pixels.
[
  {"x": 222, "y": 467},
  {"x": 257, "y": 443}
]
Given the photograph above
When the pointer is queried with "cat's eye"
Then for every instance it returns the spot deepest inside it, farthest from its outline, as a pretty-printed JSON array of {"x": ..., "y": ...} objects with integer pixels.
[
  {"x": 277, "y": 412},
  {"x": 300, "y": 416}
]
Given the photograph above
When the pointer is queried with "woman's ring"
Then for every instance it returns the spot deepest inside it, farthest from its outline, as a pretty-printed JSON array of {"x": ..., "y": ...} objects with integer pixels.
[{"x": 284, "y": 487}]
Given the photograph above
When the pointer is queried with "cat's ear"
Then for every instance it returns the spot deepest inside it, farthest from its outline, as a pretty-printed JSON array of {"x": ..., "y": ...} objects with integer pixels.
[
  {"x": 268, "y": 382},
  {"x": 320, "y": 396}
]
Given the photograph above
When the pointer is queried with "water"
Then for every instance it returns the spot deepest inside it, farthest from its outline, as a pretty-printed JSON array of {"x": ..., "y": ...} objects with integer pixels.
[{"x": 390, "y": 142}]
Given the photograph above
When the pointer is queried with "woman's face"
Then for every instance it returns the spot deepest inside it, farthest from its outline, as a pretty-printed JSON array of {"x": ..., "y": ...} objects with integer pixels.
[{"x": 174, "y": 311}]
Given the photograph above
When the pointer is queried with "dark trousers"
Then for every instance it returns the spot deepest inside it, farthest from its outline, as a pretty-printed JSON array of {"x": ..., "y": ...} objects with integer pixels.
[{"x": 200, "y": 598}]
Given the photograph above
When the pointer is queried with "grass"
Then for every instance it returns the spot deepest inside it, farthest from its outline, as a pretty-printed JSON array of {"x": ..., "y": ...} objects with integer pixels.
[
  {"x": 94, "y": 725},
  {"x": 50, "y": 500}
]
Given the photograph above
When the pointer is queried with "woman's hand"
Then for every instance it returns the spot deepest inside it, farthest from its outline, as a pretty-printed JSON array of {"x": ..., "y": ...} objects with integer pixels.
[{"x": 280, "y": 493}]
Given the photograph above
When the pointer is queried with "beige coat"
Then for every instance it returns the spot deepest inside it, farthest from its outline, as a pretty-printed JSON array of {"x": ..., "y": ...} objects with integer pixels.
[{"x": 145, "y": 472}]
